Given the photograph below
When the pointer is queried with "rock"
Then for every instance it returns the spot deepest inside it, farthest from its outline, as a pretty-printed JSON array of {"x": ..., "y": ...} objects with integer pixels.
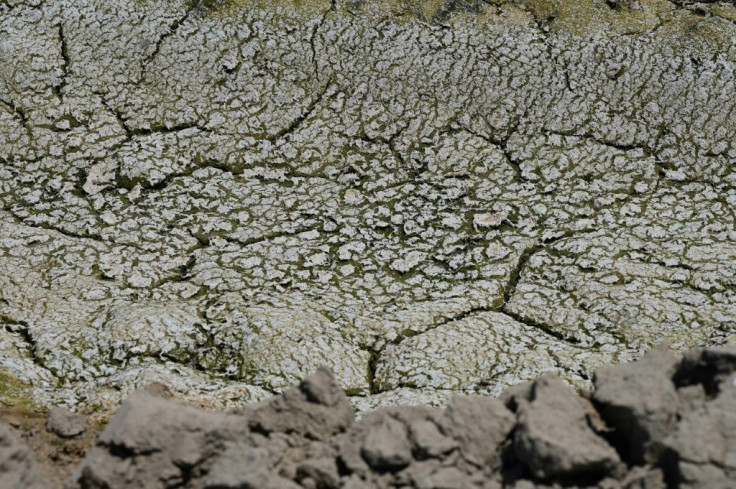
[
  {"x": 242, "y": 467},
  {"x": 351, "y": 443},
  {"x": 319, "y": 459},
  {"x": 238, "y": 466},
  {"x": 691, "y": 397},
  {"x": 322, "y": 471},
  {"x": 428, "y": 440},
  {"x": 386, "y": 447},
  {"x": 479, "y": 425},
  {"x": 517, "y": 395},
  {"x": 355, "y": 482},
  {"x": 708, "y": 367},
  {"x": 701, "y": 452},
  {"x": 644, "y": 478},
  {"x": 490, "y": 484},
  {"x": 17, "y": 468},
  {"x": 639, "y": 401},
  {"x": 64, "y": 423},
  {"x": 316, "y": 409},
  {"x": 155, "y": 443},
  {"x": 553, "y": 439},
  {"x": 445, "y": 478},
  {"x": 259, "y": 479}
]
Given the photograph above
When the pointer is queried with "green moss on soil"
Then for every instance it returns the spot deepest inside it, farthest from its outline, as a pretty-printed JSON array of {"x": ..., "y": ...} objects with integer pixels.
[
  {"x": 725, "y": 13},
  {"x": 230, "y": 6},
  {"x": 14, "y": 392},
  {"x": 578, "y": 17}
]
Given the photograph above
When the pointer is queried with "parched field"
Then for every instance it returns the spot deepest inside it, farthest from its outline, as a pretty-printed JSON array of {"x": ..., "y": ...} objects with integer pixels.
[{"x": 425, "y": 197}]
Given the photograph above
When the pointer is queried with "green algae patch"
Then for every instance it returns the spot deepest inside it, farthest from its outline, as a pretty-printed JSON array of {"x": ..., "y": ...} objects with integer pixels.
[
  {"x": 590, "y": 17},
  {"x": 229, "y": 7},
  {"x": 725, "y": 13},
  {"x": 14, "y": 392},
  {"x": 233, "y": 6},
  {"x": 583, "y": 18}
]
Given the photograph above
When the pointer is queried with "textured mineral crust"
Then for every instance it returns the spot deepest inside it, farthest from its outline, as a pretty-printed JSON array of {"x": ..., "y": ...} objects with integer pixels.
[
  {"x": 540, "y": 435},
  {"x": 428, "y": 198}
]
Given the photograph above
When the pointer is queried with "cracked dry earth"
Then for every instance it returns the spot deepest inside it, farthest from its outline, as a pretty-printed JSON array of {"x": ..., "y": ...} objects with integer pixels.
[{"x": 425, "y": 197}]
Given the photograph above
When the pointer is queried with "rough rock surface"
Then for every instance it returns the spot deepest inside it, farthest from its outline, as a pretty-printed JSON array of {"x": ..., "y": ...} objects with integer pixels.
[
  {"x": 640, "y": 401},
  {"x": 17, "y": 468},
  {"x": 64, "y": 423},
  {"x": 427, "y": 197},
  {"x": 551, "y": 438}
]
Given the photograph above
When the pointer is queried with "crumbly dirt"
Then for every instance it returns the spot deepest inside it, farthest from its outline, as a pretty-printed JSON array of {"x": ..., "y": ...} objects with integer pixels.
[
  {"x": 56, "y": 457},
  {"x": 661, "y": 422}
]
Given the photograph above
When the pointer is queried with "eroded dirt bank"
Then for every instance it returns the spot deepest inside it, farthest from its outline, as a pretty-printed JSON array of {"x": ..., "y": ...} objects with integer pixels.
[{"x": 661, "y": 422}]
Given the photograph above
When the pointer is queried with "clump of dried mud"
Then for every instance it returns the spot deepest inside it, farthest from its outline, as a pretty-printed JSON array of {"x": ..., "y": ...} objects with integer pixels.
[{"x": 662, "y": 421}]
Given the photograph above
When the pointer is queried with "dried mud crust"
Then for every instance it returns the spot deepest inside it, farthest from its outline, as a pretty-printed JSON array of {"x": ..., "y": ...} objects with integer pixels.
[
  {"x": 53, "y": 459},
  {"x": 427, "y": 198}
]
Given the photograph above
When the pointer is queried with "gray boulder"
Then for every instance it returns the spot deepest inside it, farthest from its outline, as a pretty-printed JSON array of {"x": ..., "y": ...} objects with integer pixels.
[
  {"x": 244, "y": 467},
  {"x": 709, "y": 367},
  {"x": 517, "y": 395},
  {"x": 260, "y": 479},
  {"x": 553, "y": 438},
  {"x": 389, "y": 439},
  {"x": 155, "y": 443},
  {"x": 316, "y": 409},
  {"x": 479, "y": 425},
  {"x": 65, "y": 423},
  {"x": 445, "y": 478},
  {"x": 386, "y": 447},
  {"x": 428, "y": 440},
  {"x": 17, "y": 468},
  {"x": 640, "y": 402},
  {"x": 692, "y": 397},
  {"x": 322, "y": 473},
  {"x": 702, "y": 450},
  {"x": 644, "y": 478}
]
